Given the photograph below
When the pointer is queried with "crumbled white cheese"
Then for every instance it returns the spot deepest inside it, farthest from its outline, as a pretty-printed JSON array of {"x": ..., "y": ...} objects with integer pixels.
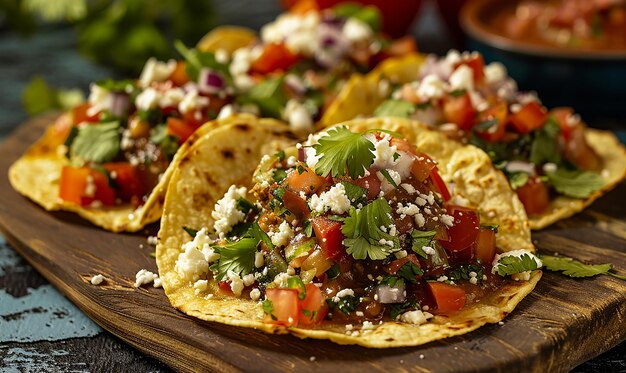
[
  {"x": 343, "y": 293},
  {"x": 385, "y": 185},
  {"x": 236, "y": 283},
  {"x": 442, "y": 278},
  {"x": 400, "y": 254},
  {"x": 209, "y": 254},
  {"x": 281, "y": 279},
  {"x": 429, "y": 250},
  {"x": 410, "y": 209},
  {"x": 156, "y": 71},
  {"x": 356, "y": 31},
  {"x": 192, "y": 101},
  {"x": 495, "y": 72},
  {"x": 335, "y": 200},
  {"x": 248, "y": 279},
  {"x": 458, "y": 200},
  {"x": 144, "y": 277},
  {"x": 367, "y": 325},
  {"x": 284, "y": 234},
  {"x": 191, "y": 264},
  {"x": 259, "y": 259},
  {"x": 419, "y": 219},
  {"x": 416, "y": 317},
  {"x": 409, "y": 188},
  {"x": 171, "y": 97},
  {"x": 298, "y": 116},
  {"x": 242, "y": 59},
  {"x": 448, "y": 220},
  {"x": 462, "y": 78},
  {"x": 255, "y": 294},
  {"x": 200, "y": 286},
  {"x": 99, "y": 99},
  {"x": 297, "y": 32},
  {"x": 226, "y": 213},
  {"x": 148, "y": 99},
  {"x": 226, "y": 111},
  {"x": 152, "y": 240},
  {"x": 453, "y": 57},
  {"x": 97, "y": 279},
  {"x": 431, "y": 87},
  {"x": 549, "y": 167}
]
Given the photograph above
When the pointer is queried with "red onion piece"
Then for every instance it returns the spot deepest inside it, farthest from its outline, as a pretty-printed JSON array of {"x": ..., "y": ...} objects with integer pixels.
[
  {"x": 210, "y": 81},
  {"x": 301, "y": 154},
  {"x": 120, "y": 104},
  {"x": 387, "y": 294},
  {"x": 519, "y": 166}
]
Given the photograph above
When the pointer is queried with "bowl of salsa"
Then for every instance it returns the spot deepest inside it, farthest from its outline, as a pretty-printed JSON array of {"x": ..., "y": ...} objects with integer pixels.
[{"x": 572, "y": 51}]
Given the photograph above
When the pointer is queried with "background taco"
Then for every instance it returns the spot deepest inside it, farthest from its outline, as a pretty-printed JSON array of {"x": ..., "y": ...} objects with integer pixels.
[{"x": 475, "y": 181}]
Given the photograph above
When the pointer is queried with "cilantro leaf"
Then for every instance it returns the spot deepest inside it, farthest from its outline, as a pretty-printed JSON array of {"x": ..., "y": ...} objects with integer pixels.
[
  {"x": 97, "y": 142},
  {"x": 462, "y": 272},
  {"x": 235, "y": 256},
  {"x": 576, "y": 184},
  {"x": 268, "y": 96},
  {"x": 408, "y": 272},
  {"x": 421, "y": 239},
  {"x": 390, "y": 179},
  {"x": 196, "y": 60},
  {"x": 279, "y": 175},
  {"x": 363, "y": 234},
  {"x": 398, "y": 308},
  {"x": 268, "y": 308},
  {"x": 574, "y": 268},
  {"x": 485, "y": 125},
  {"x": 510, "y": 265},
  {"x": 517, "y": 179},
  {"x": 343, "y": 150},
  {"x": 356, "y": 194},
  {"x": 190, "y": 231},
  {"x": 259, "y": 234},
  {"x": 545, "y": 147},
  {"x": 369, "y": 15},
  {"x": 168, "y": 143},
  {"x": 395, "y": 108},
  {"x": 392, "y": 281},
  {"x": 117, "y": 85},
  {"x": 345, "y": 304}
]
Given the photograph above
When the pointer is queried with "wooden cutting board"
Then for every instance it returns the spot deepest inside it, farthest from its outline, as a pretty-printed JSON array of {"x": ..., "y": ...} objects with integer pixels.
[{"x": 561, "y": 324}]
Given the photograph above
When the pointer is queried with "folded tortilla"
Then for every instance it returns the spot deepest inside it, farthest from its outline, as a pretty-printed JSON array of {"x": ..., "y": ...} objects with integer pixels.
[{"x": 200, "y": 181}]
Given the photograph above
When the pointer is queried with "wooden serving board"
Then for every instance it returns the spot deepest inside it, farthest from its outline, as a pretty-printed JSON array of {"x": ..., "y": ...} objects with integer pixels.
[{"x": 561, "y": 324}]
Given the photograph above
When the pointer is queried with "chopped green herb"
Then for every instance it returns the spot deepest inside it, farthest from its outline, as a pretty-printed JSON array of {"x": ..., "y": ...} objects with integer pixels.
[
  {"x": 280, "y": 155},
  {"x": 356, "y": 194},
  {"x": 385, "y": 173},
  {"x": 191, "y": 232},
  {"x": 260, "y": 235},
  {"x": 574, "y": 268},
  {"x": 246, "y": 206},
  {"x": 510, "y": 265},
  {"x": 485, "y": 125},
  {"x": 343, "y": 151},
  {"x": 295, "y": 282},
  {"x": 333, "y": 272},
  {"x": 493, "y": 227},
  {"x": 457, "y": 93},
  {"x": 308, "y": 228},
  {"x": 421, "y": 239},
  {"x": 364, "y": 238},
  {"x": 518, "y": 179},
  {"x": 575, "y": 184},
  {"x": 268, "y": 308},
  {"x": 345, "y": 304},
  {"x": 462, "y": 272},
  {"x": 392, "y": 281},
  {"x": 153, "y": 254},
  {"x": 369, "y": 15},
  {"x": 409, "y": 271},
  {"x": 545, "y": 147},
  {"x": 237, "y": 256},
  {"x": 268, "y": 96},
  {"x": 397, "y": 309},
  {"x": 196, "y": 60},
  {"x": 97, "y": 142},
  {"x": 279, "y": 175}
]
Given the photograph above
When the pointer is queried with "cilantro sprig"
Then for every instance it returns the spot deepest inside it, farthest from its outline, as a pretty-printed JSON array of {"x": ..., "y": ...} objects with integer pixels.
[
  {"x": 363, "y": 234},
  {"x": 97, "y": 142},
  {"x": 510, "y": 265},
  {"x": 576, "y": 184},
  {"x": 576, "y": 269},
  {"x": 237, "y": 256},
  {"x": 421, "y": 239},
  {"x": 343, "y": 150}
]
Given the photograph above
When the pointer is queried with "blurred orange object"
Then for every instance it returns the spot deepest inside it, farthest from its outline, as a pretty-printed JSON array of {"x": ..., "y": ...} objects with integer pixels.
[{"x": 398, "y": 15}]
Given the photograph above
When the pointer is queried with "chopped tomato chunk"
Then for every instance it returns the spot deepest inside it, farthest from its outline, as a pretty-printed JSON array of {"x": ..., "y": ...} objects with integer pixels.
[
  {"x": 498, "y": 114},
  {"x": 578, "y": 151},
  {"x": 303, "y": 179},
  {"x": 180, "y": 128},
  {"x": 459, "y": 110},
  {"x": 369, "y": 182},
  {"x": 329, "y": 237},
  {"x": 179, "y": 75},
  {"x": 422, "y": 167},
  {"x": 127, "y": 179},
  {"x": 465, "y": 229},
  {"x": 285, "y": 306},
  {"x": 402, "y": 46},
  {"x": 486, "y": 245},
  {"x": 225, "y": 287},
  {"x": 449, "y": 298},
  {"x": 394, "y": 266},
  {"x": 477, "y": 64},
  {"x": 295, "y": 204},
  {"x": 440, "y": 185},
  {"x": 274, "y": 57},
  {"x": 534, "y": 195},
  {"x": 80, "y": 115},
  {"x": 314, "y": 307},
  {"x": 561, "y": 115},
  {"x": 529, "y": 118},
  {"x": 84, "y": 185}
]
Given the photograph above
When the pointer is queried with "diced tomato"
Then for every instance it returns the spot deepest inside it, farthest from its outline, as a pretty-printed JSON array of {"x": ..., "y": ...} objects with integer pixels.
[
  {"x": 180, "y": 128},
  {"x": 394, "y": 266},
  {"x": 74, "y": 186},
  {"x": 295, "y": 204},
  {"x": 530, "y": 117},
  {"x": 485, "y": 246},
  {"x": 285, "y": 306},
  {"x": 534, "y": 196},
  {"x": 314, "y": 307},
  {"x": 459, "y": 110},
  {"x": 80, "y": 115},
  {"x": 127, "y": 179},
  {"x": 179, "y": 75},
  {"x": 300, "y": 7},
  {"x": 577, "y": 150},
  {"x": 306, "y": 181},
  {"x": 498, "y": 113},
  {"x": 561, "y": 115},
  {"x": 422, "y": 167},
  {"x": 401, "y": 145},
  {"x": 195, "y": 118},
  {"x": 440, "y": 185},
  {"x": 449, "y": 298},
  {"x": 274, "y": 57},
  {"x": 329, "y": 237},
  {"x": 463, "y": 256},
  {"x": 476, "y": 62},
  {"x": 465, "y": 229},
  {"x": 225, "y": 287},
  {"x": 62, "y": 126},
  {"x": 369, "y": 182},
  {"x": 402, "y": 46}
]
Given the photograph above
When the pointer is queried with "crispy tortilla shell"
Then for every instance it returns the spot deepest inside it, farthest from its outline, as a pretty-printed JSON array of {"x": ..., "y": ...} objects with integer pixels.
[
  {"x": 200, "y": 181},
  {"x": 37, "y": 175}
]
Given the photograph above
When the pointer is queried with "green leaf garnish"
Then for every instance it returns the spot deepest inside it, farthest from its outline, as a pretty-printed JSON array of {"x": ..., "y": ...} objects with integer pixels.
[
  {"x": 259, "y": 234},
  {"x": 395, "y": 108},
  {"x": 333, "y": 271},
  {"x": 370, "y": 15},
  {"x": 344, "y": 151},
  {"x": 392, "y": 281},
  {"x": 576, "y": 269},
  {"x": 408, "y": 272},
  {"x": 279, "y": 175},
  {"x": 462, "y": 272},
  {"x": 398, "y": 308},
  {"x": 295, "y": 282},
  {"x": 510, "y": 265},
  {"x": 575, "y": 184},
  {"x": 237, "y": 256},
  {"x": 518, "y": 179},
  {"x": 246, "y": 206},
  {"x": 268, "y": 96},
  {"x": 356, "y": 194},
  {"x": 421, "y": 239},
  {"x": 385, "y": 173},
  {"x": 345, "y": 304},
  {"x": 485, "y": 125},
  {"x": 196, "y": 60},
  {"x": 268, "y": 308},
  {"x": 545, "y": 147},
  {"x": 190, "y": 231},
  {"x": 97, "y": 142},
  {"x": 363, "y": 234}
]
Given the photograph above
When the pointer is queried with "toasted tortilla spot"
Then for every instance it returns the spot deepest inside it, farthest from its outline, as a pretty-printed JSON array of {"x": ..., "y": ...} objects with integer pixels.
[
  {"x": 228, "y": 154},
  {"x": 468, "y": 167},
  {"x": 242, "y": 127}
]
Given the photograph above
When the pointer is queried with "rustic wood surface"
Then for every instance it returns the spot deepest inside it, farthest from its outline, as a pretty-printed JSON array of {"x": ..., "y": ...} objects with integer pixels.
[{"x": 561, "y": 324}]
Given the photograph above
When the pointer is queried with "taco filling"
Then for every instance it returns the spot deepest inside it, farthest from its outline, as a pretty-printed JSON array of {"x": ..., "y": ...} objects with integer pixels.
[
  {"x": 544, "y": 153},
  {"x": 349, "y": 229}
]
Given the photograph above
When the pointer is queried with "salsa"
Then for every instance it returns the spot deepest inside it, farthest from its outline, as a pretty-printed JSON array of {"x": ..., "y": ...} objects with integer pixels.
[{"x": 352, "y": 229}]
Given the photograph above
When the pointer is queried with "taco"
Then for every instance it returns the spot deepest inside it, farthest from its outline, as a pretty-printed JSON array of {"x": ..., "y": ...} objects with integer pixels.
[
  {"x": 107, "y": 159},
  {"x": 352, "y": 236},
  {"x": 556, "y": 164}
]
